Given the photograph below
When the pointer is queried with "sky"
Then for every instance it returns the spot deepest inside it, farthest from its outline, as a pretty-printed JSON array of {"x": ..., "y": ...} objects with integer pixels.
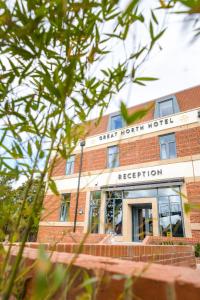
[{"x": 177, "y": 65}]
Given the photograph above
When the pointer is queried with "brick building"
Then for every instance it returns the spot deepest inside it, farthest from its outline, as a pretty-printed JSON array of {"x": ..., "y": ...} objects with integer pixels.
[{"x": 136, "y": 180}]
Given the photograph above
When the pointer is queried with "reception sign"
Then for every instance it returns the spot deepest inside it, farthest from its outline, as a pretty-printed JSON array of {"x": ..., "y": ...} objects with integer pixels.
[{"x": 186, "y": 169}]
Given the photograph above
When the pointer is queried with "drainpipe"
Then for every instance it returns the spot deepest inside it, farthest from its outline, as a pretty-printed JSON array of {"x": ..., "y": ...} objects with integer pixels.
[{"x": 82, "y": 144}]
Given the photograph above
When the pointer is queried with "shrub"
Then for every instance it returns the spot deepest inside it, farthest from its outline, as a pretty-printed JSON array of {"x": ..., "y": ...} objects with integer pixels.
[{"x": 197, "y": 250}]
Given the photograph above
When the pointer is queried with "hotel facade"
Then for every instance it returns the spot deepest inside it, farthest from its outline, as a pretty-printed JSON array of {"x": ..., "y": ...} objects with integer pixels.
[{"x": 136, "y": 180}]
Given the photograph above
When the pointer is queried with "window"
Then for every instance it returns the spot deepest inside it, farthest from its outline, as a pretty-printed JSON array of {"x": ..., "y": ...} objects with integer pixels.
[
  {"x": 168, "y": 146},
  {"x": 114, "y": 212},
  {"x": 166, "y": 107},
  {"x": 70, "y": 165},
  {"x": 113, "y": 157},
  {"x": 169, "y": 208},
  {"x": 64, "y": 208},
  {"x": 170, "y": 212},
  {"x": 94, "y": 211},
  {"x": 116, "y": 122}
]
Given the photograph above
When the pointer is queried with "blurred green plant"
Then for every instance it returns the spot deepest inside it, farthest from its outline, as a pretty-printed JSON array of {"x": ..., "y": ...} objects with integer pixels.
[
  {"x": 197, "y": 250},
  {"x": 52, "y": 78},
  {"x": 10, "y": 204}
]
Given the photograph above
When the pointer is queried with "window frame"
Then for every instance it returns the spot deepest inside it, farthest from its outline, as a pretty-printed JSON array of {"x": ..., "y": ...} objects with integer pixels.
[
  {"x": 94, "y": 203},
  {"x": 72, "y": 168},
  {"x": 65, "y": 201},
  {"x": 110, "y": 121},
  {"x": 108, "y": 155},
  {"x": 109, "y": 197},
  {"x": 168, "y": 148},
  {"x": 175, "y": 106}
]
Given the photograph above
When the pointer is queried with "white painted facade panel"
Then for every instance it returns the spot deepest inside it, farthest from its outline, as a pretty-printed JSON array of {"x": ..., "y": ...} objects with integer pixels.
[
  {"x": 135, "y": 175},
  {"x": 169, "y": 122}
]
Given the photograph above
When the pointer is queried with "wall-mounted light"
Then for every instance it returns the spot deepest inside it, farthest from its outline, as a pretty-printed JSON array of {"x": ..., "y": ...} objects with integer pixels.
[
  {"x": 198, "y": 114},
  {"x": 80, "y": 211}
]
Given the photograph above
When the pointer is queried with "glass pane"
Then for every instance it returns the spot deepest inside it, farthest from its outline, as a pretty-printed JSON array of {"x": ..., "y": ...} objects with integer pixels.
[
  {"x": 140, "y": 193},
  {"x": 96, "y": 195},
  {"x": 63, "y": 212},
  {"x": 164, "y": 152},
  {"x": 65, "y": 197},
  {"x": 116, "y": 122},
  {"x": 176, "y": 216},
  {"x": 113, "y": 160},
  {"x": 114, "y": 194},
  {"x": 172, "y": 150},
  {"x": 94, "y": 219},
  {"x": 112, "y": 150},
  {"x": 167, "y": 138},
  {"x": 118, "y": 216},
  {"x": 164, "y": 217},
  {"x": 166, "y": 108},
  {"x": 109, "y": 216},
  {"x": 70, "y": 165},
  {"x": 168, "y": 191}
]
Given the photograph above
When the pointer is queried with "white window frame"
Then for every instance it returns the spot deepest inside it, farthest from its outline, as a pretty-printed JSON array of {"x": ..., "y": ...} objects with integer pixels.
[
  {"x": 167, "y": 145},
  {"x": 70, "y": 161},
  {"x": 116, "y": 162},
  {"x": 110, "y": 121},
  {"x": 175, "y": 106}
]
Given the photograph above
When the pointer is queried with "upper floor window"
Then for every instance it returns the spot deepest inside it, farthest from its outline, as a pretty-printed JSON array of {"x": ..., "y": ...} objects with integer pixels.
[
  {"x": 166, "y": 107},
  {"x": 70, "y": 165},
  {"x": 64, "y": 207},
  {"x": 113, "y": 157},
  {"x": 116, "y": 122},
  {"x": 168, "y": 146}
]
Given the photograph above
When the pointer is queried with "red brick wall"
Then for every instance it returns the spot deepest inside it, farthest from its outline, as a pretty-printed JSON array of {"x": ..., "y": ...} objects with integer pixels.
[
  {"x": 158, "y": 240},
  {"x": 59, "y": 167},
  {"x": 188, "y": 142},
  {"x": 146, "y": 281},
  {"x": 182, "y": 255},
  {"x": 193, "y": 194},
  {"x": 139, "y": 151},
  {"x": 187, "y": 99},
  {"x": 61, "y": 234},
  {"x": 92, "y": 160},
  {"x": 52, "y": 207},
  {"x": 56, "y": 234}
]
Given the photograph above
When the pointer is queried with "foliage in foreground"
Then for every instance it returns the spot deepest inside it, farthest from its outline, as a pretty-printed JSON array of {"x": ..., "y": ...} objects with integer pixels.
[{"x": 53, "y": 77}]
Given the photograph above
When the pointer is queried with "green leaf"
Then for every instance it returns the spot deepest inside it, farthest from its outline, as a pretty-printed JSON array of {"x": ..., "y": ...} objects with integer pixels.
[
  {"x": 151, "y": 30},
  {"x": 29, "y": 149},
  {"x": 154, "y": 17},
  {"x": 135, "y": 116},
  {"x": 53, "y": 187},
  {"x": 146, "y": 79}
]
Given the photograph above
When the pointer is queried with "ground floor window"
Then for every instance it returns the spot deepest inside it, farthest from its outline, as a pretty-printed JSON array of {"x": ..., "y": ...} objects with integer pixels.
[
  {"x": 169, "y": 203},
  {"x": 170, "y": 216},
  {"x": 170, "y": 212},
  {"x": 114, "y": 212},
  {"x": 169, "y": 208},
  {"x": 94, "y": 211},
  {"x": 64, "y": 208}
]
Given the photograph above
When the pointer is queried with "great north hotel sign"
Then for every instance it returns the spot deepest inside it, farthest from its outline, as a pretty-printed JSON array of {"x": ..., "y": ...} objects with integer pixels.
[
  {"x": 137, "y": 129},
  {"x": 156, "y": 125}
]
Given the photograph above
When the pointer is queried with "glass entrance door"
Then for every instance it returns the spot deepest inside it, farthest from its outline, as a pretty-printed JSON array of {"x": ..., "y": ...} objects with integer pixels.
[{"x": 142, "y": 223}]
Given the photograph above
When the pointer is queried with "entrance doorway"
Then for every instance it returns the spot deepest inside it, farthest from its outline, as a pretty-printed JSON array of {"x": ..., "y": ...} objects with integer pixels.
[{"x": 142, "y": 221}]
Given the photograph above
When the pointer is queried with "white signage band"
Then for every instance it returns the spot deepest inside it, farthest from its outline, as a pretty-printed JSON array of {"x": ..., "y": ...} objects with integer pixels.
[
  {"x": 136, "y": 175},
  {"x": 176, "y": 120}
]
